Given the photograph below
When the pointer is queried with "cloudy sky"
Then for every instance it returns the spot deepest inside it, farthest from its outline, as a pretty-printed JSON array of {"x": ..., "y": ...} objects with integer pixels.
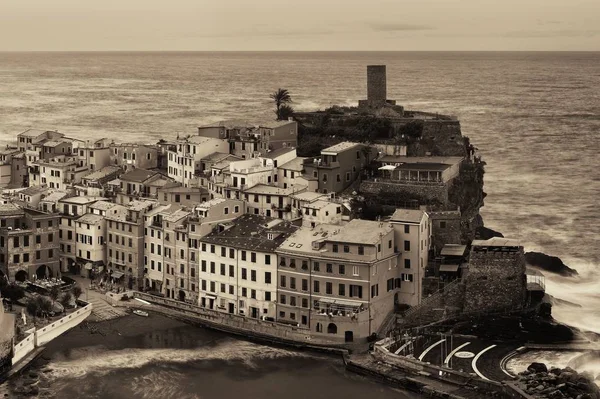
[{"x": 262, "y": 25}]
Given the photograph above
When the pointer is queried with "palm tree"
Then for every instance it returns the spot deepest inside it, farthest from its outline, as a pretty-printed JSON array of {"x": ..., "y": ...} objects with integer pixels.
[
  {"x": 284, "y": 112},
  {"x": 281, "y": 97}
]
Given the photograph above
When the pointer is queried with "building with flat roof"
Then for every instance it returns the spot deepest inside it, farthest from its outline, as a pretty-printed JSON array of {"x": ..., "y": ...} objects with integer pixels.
[
  {"x": 339, "y": 282},
  {"x": 338, "y": 166}
]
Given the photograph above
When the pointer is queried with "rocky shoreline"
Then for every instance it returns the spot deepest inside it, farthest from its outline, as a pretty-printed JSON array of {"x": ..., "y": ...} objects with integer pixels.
[{"x": 557, "y": 383}]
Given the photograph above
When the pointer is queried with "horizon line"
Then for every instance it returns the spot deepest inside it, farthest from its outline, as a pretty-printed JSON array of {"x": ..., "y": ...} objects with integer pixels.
[{"x": 299, "y": 51}]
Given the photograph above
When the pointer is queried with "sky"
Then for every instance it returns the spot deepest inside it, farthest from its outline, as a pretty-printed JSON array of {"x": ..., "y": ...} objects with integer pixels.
[{"x": 299, "y": 25}]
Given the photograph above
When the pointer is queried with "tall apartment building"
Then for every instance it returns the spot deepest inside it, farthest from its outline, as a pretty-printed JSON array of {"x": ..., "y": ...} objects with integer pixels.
[
  {"x": 412, "y": 230},
  {"x": 133, "y": 156},
  {"x": 238, "y": 271},
  {"x": 125, "y": 236},
  {"x": 338, "y": 282},
  {"x": 28, "y": 243},
  {"x": 71, "y": 209}
]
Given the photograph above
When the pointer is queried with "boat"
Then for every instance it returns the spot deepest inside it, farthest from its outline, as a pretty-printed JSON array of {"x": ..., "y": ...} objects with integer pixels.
[{"x": 140, "y": 313}]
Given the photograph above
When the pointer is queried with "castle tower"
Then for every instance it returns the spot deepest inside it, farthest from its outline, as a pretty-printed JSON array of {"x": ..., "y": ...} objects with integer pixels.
[
  {"x": 376, "y": 88},
  {"x": 376, "y": 84}
]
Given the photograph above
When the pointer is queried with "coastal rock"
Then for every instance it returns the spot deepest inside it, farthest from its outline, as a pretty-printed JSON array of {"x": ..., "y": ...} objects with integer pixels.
[
  {"x": 485, "y": 233},
  {"x": 549, "y": 263},
  {"x": 537, "y": 368}
]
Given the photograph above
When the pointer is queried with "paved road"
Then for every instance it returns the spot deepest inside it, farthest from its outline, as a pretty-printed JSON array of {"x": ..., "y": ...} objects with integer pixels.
[{"x": 475, "y": 356}]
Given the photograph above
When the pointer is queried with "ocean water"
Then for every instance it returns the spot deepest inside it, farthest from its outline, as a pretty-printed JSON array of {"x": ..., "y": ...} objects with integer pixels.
[{"x": 535, "y": 118}]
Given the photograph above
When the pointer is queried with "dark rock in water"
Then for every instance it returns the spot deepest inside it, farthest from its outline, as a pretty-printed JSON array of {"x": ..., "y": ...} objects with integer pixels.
[
  {"x": 554, "y": 301},
  {"x": 484, "y": 233},
  {"x": 537, "y": 368},
  {"x": 548, "y": 263}
]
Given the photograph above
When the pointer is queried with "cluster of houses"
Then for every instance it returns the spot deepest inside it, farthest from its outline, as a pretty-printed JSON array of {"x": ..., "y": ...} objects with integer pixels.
[
  {"x": 233, "y": 220},
  {"x": 230, "y": 219}
]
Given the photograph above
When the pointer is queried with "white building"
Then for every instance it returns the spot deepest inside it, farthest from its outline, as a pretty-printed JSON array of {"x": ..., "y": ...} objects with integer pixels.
[{"x": 185, "y": 163}]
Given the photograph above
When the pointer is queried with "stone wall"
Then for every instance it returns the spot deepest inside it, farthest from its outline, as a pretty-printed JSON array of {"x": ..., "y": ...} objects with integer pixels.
[
  {"x": 495, "y": 281},
  {"x": 445, "y": 228},
  {"x": 424, "y": 193}
]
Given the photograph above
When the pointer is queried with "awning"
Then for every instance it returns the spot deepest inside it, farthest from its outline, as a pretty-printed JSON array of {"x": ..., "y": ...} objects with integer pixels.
[
  {"x": 88, "y": 266},
  {"x": 387, "y": 167},
  {"x": 449, "y": 268},
  {"x": 117, "y": 274},
  {"x": 210, "y": 296},
  {"x": 340, "y": 302}
]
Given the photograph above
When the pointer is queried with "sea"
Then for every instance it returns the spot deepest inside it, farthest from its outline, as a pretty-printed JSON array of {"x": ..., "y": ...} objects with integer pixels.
[{"x": 534, "y": 117}]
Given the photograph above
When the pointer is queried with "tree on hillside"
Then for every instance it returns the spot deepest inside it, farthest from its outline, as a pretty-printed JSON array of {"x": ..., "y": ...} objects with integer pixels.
[
  {"x": 280, "y": 97},
  {"x": 54, "y": 293}
]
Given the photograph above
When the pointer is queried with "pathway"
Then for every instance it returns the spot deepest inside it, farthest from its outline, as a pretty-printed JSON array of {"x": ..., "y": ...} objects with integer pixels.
[{"x": 470, "y": 355}]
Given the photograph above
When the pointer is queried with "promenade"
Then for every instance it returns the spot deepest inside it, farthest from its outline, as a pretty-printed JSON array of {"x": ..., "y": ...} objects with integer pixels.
[{"x": 102, "y": 310}]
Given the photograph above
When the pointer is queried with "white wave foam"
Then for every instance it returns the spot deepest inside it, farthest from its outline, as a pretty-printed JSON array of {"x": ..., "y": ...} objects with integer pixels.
[{"x": 100, "y": 360}]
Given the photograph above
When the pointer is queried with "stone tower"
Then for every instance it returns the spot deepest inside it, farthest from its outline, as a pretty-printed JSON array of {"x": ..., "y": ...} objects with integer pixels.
[
  {"x": 376, "y": 88},
  {"x": 376, "y": 85},
  {"x": 496, "y": 279}
]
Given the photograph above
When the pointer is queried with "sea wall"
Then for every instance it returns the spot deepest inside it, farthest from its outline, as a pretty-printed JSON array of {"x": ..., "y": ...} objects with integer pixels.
[
  {"x": 51, "y": 331},
  {"x": 24, "y": 347},
  {"x": 250, "y": 328},
  {"x": 46, "y": 334}
]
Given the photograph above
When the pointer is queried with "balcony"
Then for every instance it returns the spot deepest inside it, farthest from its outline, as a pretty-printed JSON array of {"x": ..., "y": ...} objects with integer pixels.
[{"x": 281, "y": 207}]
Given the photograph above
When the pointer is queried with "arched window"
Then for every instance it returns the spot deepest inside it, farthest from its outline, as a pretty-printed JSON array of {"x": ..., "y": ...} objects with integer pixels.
[
  {"x": 319, "y": 328},
  {"x": 331, "y": 329}
]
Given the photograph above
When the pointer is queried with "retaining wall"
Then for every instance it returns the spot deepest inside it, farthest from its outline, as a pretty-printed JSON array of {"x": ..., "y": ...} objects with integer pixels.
[{"x": 250, "y": 328}]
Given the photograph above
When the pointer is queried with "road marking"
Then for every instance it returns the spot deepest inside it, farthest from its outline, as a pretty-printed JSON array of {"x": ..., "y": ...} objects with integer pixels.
[
  {"x": 454, "y": 351},
  {"x": 430, "y": 348},
  {"x": 476, "y": 358},
  {"x": 403, "y": 346}
]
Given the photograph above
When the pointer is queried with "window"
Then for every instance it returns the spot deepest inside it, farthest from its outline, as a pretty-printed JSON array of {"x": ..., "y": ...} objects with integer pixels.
[
  {"x": 50, "y": 237},
  {"x": 267, "y": 259},
  {"x": 226, "y": 211},
  {"x": 232, "y": 253},
  {"x": 342, "y": 290},
  {"x": 304, "y": 285},
  {"x": 253, "y": 294},
  {"x": 231, "y": 271},
  {"x": 243, "y": 255},
  {"x": 212, "y": 267},
  {"x": 253, "y": 257},
  {"x": 407, "y": 263},
  {"x": 335, "y": 247},
  {"x": 346, "y": 248},
  {"x": 324, "y": 177},
  {"x": 282, "y": 281},
  {"x": 231, "y": 290},
  {"x": 390, "y": 284},
  {"x": 442, "y": 224},
  {"x": 212, "y": 249},
  {"x": 406, "y": 277},
  {"x": 222, "y": 288},
  {"x": 374, "y": 290},
  {"x": 406, "y": 229},
  {"x": 328, "y": 288},
  {"x": 316, "y": 286},
  {"x": 282, "y": 299},
  {"x": 407, "y": 245},
  {"x": 355, "y": 270},
  {"x": 252, "y": 275},
  {"x": 267, "y": 277},
  {"x": 203, "y": 266},
  {"x": 316, "y": 267},
  {"x": 223, "y": 251},
  {"x": 244, "y": 274},
  {"x": 355, "y": 291},
  {"x": 329, "y": 268},
  {"x": 222, "y": 269},
  {"x": 293, "y": 283},
  {"x": 38, "y": 239},
  {"x": 267, "y": 296},
  {"x": 342, "y": 269},
  {"x": 292, "y": 303}
]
